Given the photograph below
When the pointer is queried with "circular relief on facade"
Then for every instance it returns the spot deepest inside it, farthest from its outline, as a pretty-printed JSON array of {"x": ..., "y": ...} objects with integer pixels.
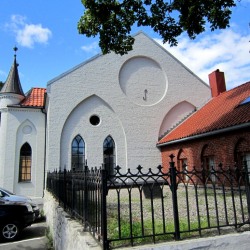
[
  {"x": 27, "y": 129},
  {"x": 94, "y": 120},
  {"x": 143, "y": 81}
]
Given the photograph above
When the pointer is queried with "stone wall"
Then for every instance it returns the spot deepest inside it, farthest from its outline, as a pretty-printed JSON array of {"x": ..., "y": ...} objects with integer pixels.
[{"x": 67, "y": 233}]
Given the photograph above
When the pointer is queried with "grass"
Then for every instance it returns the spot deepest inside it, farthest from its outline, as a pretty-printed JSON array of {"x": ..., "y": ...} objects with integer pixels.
[
  {"x": 191, "y": 209},
  {"x": 199, "y": 222},
  {"x": 143, "y": 235}
]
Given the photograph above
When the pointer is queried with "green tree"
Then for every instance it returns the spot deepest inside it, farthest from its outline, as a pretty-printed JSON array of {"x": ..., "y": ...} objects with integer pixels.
[{"x": 112, "y": 20}]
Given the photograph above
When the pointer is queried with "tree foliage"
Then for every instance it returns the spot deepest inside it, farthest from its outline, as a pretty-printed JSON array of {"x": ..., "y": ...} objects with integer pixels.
[{"x": 112, "y": 20}]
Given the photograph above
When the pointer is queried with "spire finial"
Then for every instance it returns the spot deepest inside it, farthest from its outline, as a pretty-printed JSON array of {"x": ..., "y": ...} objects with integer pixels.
[{"x": 15, "y": 49}]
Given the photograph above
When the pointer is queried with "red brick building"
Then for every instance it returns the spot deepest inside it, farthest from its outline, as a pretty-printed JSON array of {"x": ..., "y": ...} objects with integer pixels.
[{"x": 219, "y": 132}]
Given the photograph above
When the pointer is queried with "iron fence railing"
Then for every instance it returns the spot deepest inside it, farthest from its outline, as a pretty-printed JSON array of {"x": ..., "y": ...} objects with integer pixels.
[{"x": 156, "y": 205}]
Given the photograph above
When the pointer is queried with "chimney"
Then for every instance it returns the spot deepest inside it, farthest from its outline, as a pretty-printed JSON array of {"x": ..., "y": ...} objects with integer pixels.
[{"x": 217, "y": 82}]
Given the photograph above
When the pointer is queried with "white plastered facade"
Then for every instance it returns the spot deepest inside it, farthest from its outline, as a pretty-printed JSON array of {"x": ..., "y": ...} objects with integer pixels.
[
  {"x": 19, "y": 126},
  {"x": 137, "y": 98},
  {"x": 133, "y": 96}
]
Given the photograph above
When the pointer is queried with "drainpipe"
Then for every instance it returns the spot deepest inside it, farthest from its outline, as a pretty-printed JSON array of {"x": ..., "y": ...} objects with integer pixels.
[{"x": 45, "y": 142}]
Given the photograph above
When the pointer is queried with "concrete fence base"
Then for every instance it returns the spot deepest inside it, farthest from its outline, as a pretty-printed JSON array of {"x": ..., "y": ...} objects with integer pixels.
[{"x": 67, "y": 233}]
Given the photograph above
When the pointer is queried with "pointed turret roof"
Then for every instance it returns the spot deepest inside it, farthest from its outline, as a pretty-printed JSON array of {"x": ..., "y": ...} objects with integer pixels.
[{"x": 13, "y": 84}]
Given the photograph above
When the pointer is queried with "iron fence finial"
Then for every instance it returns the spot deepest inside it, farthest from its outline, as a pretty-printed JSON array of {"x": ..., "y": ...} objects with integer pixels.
[{"x": 172, "y": 157}]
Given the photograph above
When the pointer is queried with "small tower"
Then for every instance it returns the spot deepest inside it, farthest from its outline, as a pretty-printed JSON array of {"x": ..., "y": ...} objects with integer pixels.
[{"x": 12, "y": 92}]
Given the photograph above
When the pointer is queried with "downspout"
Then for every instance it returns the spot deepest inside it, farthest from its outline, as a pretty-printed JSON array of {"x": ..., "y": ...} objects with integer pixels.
[{"x": 45, "y": 142}]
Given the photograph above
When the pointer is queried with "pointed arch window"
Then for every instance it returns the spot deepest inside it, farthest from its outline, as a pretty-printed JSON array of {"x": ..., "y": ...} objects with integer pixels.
[
  {"x": 77, "y": 153},
  {"x": 242, "y": 154},
  {"x": 109, "y": 154},
  {"x": 208, "y": 162},
  {"x": 182, "y": 165},
  {"x": 25, "y": 163}
]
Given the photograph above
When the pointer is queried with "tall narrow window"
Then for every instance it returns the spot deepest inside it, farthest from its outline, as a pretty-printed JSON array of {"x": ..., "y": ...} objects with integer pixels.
[
  {"x": 25, "y": 163},
  {"x": 77, "y": 153},
  {"x": 246, "y": 160},
  {"x": 209, "y": 166},
  {"x": 109, "y": 154},
  {"x": 182, "y": 165},
  {"x": 208, "y": 162}
]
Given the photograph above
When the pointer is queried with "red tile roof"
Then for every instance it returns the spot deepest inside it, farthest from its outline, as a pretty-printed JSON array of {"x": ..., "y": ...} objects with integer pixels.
[
  {"x": 35, "y": 98},
  {"x": 221, "y": 112}
]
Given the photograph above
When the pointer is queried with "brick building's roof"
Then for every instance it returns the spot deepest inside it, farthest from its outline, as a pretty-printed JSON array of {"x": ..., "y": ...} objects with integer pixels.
[
  {"x": 223, "y": 111},
  {"x": 35, "y": 98}
]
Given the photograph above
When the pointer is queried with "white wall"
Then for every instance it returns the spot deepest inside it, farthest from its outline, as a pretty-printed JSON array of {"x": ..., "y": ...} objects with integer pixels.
[
  {"x": 94, "y": 136},
  {"x": 5, "y": 100},
  {"x": 24, "y": 125},
  {"x": 3, "y": 128},
  {"x": 119, "y": 82},
  {"x": 67, "y": 233}
]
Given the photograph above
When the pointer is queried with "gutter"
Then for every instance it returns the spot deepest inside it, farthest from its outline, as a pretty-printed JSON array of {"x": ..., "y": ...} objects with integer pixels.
[
  {"x": 216, "y": 132},
  {"x": 24, "y": 107}
]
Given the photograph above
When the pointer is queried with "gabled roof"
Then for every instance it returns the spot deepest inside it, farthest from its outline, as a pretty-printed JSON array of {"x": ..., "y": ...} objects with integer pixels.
[
  {"x": 13, "y": 84},
  {"x": 136, "y": 36},
  {"x": 221, "y": 112},
  {"x": 34, "y": 98}
]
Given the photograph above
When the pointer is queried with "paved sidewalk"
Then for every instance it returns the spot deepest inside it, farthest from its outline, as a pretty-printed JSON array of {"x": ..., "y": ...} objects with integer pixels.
[{"x": 31, "y": 244}]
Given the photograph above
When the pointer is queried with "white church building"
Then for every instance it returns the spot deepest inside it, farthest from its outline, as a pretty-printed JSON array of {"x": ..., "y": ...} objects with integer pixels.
[{"x": 109, "y": 110}]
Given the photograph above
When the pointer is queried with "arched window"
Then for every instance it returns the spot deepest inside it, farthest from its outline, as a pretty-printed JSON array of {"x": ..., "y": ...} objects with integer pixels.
[
  {"x": 242, "y": 154},
  {"x": 25, "y": 163},
  {"x": 77, "y": 153},
  {"x": 208, "y": 161},
  {"x": 109, "y": 154}
]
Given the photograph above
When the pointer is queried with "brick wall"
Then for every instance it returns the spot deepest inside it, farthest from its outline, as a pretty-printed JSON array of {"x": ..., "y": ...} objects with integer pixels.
[{"x": 223, "y": 147}]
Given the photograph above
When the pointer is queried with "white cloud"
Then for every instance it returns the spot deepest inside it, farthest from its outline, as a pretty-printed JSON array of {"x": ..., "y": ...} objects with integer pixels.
[
  {"x": 92, "y": 48},
  {"x": 28, "y": 34},
  {"x": 226, "y": 50},
  {"x": 31, "y": 34}
]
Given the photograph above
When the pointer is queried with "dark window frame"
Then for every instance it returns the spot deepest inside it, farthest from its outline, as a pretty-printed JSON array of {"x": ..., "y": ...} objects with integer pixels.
[
  {"x": 77, "y": 153},
  {"x": 109, "y": 156},
  {"x": 25, "y": 163}
]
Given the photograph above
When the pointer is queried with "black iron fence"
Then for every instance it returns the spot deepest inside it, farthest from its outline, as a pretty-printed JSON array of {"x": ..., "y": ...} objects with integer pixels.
[{"x": 156, "y": 205}]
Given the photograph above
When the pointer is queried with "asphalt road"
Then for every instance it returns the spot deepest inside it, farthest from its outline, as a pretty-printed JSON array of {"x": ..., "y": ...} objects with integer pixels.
[{"x": 32, "y": 238}]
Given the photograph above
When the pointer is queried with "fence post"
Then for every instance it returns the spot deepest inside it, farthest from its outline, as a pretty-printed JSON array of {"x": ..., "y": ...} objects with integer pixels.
[
  {"x": 173, "y": 187},
  {"x": 104, "y": 208},
  {"x": 64, "y": 189},
  {"x": 247, "y": 175},
  {"x": 85, "y": 201}
]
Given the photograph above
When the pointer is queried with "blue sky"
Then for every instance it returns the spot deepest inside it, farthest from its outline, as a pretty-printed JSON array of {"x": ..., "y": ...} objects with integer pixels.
[{"x": 48, "y": 42}]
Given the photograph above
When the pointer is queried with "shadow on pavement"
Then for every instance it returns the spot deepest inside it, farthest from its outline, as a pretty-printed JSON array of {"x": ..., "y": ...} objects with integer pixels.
[
  {"x": 34, "y": 231},
  {"x": 31, "y": 238}
]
